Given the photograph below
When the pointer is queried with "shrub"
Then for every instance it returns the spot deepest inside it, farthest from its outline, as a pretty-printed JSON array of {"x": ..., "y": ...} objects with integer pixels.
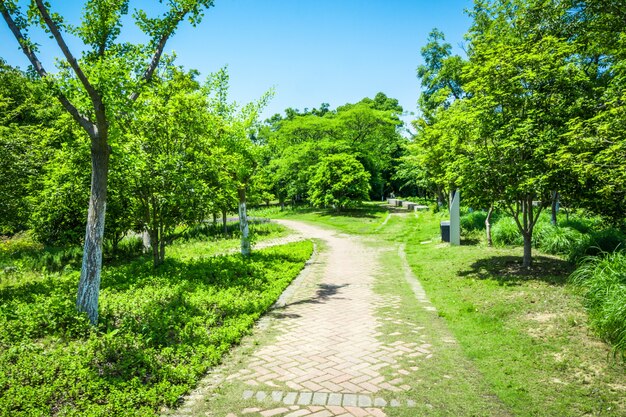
[
  {"x": 602, "y": 281},
  {"x": 556, "y": 240},
  {"x": 505, "y": 232},
  {"x": 597, "y": 243},
  {"x": 474, "y": 220}
]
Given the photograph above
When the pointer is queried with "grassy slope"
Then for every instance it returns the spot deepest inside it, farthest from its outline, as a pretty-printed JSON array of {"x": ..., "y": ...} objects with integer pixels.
[
  {"x": 527, "y": 333},
  {"x": 159, "y": 330}
]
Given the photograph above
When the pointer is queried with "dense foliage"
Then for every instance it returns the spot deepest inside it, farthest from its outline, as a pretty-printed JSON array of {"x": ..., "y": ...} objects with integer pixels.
[
  {"x": 159, "y": 331},
  {"x": 300, "y": 144},
  {"x": 532, "y": 116}
]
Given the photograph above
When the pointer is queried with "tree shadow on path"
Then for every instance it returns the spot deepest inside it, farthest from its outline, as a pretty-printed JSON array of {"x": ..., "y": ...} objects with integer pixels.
[{"x": 323, "y": 294}]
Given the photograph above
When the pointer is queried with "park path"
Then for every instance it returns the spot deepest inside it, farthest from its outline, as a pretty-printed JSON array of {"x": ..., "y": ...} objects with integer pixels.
[{"x": 329, "y": 353}]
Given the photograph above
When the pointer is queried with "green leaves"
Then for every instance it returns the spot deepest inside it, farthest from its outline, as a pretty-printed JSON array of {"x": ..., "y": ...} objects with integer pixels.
[{"x": 340, "y": 181}]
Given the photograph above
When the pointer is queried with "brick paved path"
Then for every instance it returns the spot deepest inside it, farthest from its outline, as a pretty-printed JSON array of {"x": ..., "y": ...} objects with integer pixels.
[{"x": 327, "y": 357}]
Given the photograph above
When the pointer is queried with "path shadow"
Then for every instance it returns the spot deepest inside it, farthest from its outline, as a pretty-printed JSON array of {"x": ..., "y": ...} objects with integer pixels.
[
  {"x": 323, "y": 294},
  {"x": 508, "y": 270}
]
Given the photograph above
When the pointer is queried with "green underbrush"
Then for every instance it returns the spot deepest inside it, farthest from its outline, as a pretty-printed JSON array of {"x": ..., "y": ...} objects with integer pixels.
[{"x": 159, "y": 332}]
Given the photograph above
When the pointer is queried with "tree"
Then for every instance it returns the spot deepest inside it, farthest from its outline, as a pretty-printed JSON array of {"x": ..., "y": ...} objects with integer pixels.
[
  {"x": 520, "y": 86},
  {"x": 340, "y": 181},
  {"x": 27, "y": 116},
  {"x": 236, "y": 136},
  {"x": 171, "y": 164},
  {"x": 425, "y": 163},
  {"x": 97, "y": 90}
]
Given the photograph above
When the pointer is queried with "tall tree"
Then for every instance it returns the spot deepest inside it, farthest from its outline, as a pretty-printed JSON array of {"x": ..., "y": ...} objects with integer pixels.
[
  {"x": 97, "y": 89},
  {"x": 522, "y": 88},
  {"x": 236, "y": 127}
]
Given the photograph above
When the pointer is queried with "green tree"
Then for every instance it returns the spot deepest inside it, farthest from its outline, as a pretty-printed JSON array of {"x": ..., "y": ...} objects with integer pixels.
[
  {"x": 237, "y": 131},
  {"x": 97, "y": 90},
  {"x": 171, "y": 163},
  {"x": 522, "y": 86},
  {"x": 340, "y": 181}
]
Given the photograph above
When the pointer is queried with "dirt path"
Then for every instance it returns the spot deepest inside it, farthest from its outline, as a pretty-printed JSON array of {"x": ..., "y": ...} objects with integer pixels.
[{"x": 335, "y": 345}]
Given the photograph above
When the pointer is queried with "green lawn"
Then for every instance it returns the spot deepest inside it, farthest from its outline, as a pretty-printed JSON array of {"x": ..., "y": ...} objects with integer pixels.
[{"x": 526, "y": 332}]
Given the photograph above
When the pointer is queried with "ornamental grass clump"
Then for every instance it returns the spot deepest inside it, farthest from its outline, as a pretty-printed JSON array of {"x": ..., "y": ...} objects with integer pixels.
[{"x": 602, "y": 282}]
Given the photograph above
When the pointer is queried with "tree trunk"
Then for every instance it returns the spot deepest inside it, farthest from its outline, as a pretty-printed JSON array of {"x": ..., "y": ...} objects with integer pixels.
[
  {"x": 488, "y": 226},
  {"x": 145, "y": 237},
  {"x": 154, "y": 238},
  {"x": 528, "y": 250},
  {"x": 243, "y": 223},
  {"x": 224, "y": 223},
  {"x": 282, "y": 204},
  {"x": 214, "y": 219},
  {"x": 89, "y": 283},
  {"x": 555, "y": 207}
]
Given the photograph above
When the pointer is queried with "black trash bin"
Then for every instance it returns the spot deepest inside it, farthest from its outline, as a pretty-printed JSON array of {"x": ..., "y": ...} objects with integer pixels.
[{"x": 445, "y": 231}]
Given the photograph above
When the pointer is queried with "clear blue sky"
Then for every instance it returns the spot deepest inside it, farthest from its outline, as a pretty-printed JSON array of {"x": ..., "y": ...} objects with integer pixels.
[{"x": 310, "y": 51}]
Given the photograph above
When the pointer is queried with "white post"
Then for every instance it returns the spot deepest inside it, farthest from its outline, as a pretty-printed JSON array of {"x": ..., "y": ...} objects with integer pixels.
[{"x": 455, "y": 218}]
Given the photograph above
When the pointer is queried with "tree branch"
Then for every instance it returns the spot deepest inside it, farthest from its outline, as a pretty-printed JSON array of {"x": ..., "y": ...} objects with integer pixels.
[
  {"x": 154, "y": 62},
  {"x": 84, "y": 122},
  {"x": 95, "y": 97}
]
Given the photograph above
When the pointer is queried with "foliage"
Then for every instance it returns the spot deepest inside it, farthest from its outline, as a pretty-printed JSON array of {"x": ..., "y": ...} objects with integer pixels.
[
  {"x": 505, "y": 232},
  {"x": 369, "y": 130},
  {"x": 159, "y": 332},
  {"x": 597, "y": 243},
  {"x": 602, "y": 281},
  {"x": 340, "y": 181},
  {"x": 473, "y": 221},
  {"x": 27, "y": 114}
]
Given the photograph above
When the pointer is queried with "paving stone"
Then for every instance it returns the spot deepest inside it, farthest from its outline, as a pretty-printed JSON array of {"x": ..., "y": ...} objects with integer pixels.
[
  {"x": 290, "y": 398},
  {"x": 410, "y": 403},
  {"x": 320, "y": 398},
  {"x": 261, "y": 395},
  {"x": 394, "y": 403},
  {"x": 349, "y": 400},
  {"x": 379, "y": 402},
  {"x": 247, "y": 394},
  {"x": 365, "y": 401},
  {"x": 334, "y": 399},
  {"x": 298, "y": 413},
  {"x": 277, "y": 396},
  {"x": 305, "y": 398}
]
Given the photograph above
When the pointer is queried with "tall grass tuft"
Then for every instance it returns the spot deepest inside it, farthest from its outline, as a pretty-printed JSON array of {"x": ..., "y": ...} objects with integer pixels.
[
  {"x": 473, "y": 221},
  {"x": 505, "y": 232},
  {"x": 557, "y": 240},
  {"x": 602, "y": 281},
  {"x": 597, "y": 243}
]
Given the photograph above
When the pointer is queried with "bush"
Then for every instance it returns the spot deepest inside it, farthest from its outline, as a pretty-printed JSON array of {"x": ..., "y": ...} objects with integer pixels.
[
  {"x": 505, "y": 232},
  {"x": 473, "y": 221},
  {"x": 602, "y": 281},
  {"x": 556, "y": 240},
  {"x": 597, "y": 243}
]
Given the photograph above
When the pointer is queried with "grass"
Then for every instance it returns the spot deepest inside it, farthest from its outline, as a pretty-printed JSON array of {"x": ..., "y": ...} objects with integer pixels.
[
  {"x": 159, "y": 332},
  {"x": 526, "y": 332},
  {"x": 602, "y": 281}
]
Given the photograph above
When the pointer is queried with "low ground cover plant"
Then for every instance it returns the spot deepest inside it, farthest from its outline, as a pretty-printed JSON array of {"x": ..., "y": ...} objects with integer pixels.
[{"x": 159, "y": 332}]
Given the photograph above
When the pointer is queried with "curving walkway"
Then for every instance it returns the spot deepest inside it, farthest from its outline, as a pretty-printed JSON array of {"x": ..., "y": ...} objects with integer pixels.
[{"x": 333, "y": 345}]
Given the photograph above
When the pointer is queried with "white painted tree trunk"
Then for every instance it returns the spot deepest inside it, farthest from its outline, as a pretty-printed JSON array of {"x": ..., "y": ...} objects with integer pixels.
[
  {"x": 243, "y": 224},
  {"x": 89, "y": 284}
]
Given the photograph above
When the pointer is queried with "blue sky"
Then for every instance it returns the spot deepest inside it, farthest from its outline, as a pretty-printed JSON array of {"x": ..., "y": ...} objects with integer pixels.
[{"x": 333, "y": 51}]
